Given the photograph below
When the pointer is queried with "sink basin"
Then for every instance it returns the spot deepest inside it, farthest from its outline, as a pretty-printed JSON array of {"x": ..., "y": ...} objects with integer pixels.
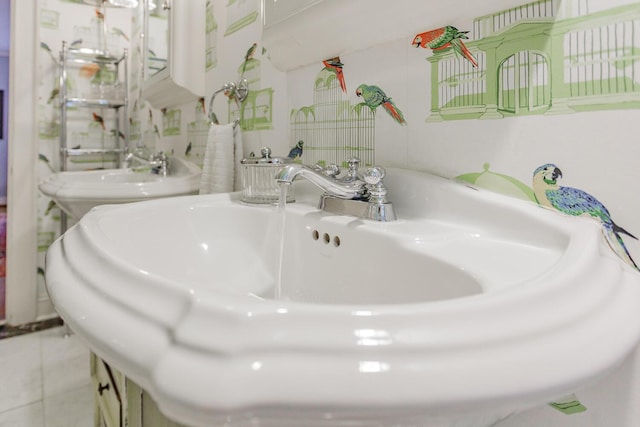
[
  {"x": 471, "y": 306},
  {"x": 77, "y": 192}
]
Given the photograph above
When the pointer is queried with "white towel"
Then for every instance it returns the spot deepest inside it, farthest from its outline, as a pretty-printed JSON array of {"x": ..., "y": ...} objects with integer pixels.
[{"x": 220, "y": 166}]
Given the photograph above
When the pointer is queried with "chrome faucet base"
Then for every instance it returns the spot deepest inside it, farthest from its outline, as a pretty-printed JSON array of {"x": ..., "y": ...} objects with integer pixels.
[
  {"x": 359, "y": 208},
  {"x": 141, "y": 159},
  {"x": 363, "y": 196}
]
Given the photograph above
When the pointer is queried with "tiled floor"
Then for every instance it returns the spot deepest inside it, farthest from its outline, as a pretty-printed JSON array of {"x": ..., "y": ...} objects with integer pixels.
[{"x": 44, "y": 381}]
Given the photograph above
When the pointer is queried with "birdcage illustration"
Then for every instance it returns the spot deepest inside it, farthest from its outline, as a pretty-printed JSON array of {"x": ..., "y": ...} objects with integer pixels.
[
  {"x": 211, "y": 53},
  {"x": 333, "y": 129},
  {"x": 544, "y": 57}
]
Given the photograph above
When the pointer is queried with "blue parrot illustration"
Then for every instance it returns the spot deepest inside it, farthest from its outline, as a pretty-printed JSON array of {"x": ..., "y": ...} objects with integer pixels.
[
  {"x": 296, "y": 151},
  {"x": 573, "y": 201}
]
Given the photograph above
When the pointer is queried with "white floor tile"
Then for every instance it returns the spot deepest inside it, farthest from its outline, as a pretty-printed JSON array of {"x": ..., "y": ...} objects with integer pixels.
[
  {"x": 65, "y": 363},
  {"x": 20, "y": 371},
  {"x": 25, "y": 416},
  {"x": 45, "y": 381},
  {"x": 71, "y": 409}
]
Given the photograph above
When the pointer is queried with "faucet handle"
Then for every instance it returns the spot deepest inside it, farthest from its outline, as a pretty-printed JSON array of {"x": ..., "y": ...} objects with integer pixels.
[
  {"x": 377, "y": 191},
  {"x": 352, "y": 172},
  {"x": 332, "y": 170},
  {"x": 353, "y": 163},
  {"x": 374, "y": 175}
]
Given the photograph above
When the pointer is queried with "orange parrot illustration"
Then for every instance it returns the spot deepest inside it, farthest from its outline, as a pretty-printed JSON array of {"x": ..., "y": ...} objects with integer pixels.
[
  {"x": 87, "y": 71},
  {"x": 443, "y": 38},
  {"x": 99, "y": 119},
  {"x": 335, "y": 65}
]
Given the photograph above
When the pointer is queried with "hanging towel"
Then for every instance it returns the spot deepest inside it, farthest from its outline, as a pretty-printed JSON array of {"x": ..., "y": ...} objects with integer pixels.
[{"x": 223, "y": 152}]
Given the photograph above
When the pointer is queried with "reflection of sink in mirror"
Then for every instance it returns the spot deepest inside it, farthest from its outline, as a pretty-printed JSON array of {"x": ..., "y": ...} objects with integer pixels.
[
  {"x": 77, "y": 192},
  {"x": 470, "y": 307}
]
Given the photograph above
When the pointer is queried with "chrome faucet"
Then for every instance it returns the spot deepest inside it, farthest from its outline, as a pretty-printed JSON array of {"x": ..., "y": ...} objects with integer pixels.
[
  {"x": 363, "y": 196},
  {"x": 140, "y": 159}
]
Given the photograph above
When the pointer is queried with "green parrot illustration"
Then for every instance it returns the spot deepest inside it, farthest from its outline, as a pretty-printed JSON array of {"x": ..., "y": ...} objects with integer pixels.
[
  {"x": 248, "y": 56},
  {"x": 374, "y": 97}
]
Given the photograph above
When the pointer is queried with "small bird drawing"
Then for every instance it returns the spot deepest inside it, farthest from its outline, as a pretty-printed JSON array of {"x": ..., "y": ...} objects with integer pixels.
[
  {"x": 296, "y": 152},
  {"x": 187, "y": 152},
  {"x": 335, "y": 65},
  {"x": 248, "y": 56},
  {"x": 99, "y": 119},
  {"x": 575, "y": 202},
  {"x": 89, "y": 70},
  {"x": 47, "y": 49},
  {"x": 443, "y": 38},
  {"x": 53, "y": 95},
  {"x": 52, "y": 204},
  {"x": 374, "y": 97},
  {"x": 44, "y": 159},
  {"x": 119, "y": 32}
]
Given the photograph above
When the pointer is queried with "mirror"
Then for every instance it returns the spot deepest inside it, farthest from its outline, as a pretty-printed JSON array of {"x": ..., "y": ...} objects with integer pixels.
[
  {"x": 175, "y": 45},
  {"x": 157, "y": 38}
]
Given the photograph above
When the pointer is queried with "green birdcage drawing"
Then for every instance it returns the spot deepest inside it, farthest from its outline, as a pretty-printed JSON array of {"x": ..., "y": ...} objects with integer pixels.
[
  {"x": 333, "y": 129},
  {"x": 544, "y": 57}
]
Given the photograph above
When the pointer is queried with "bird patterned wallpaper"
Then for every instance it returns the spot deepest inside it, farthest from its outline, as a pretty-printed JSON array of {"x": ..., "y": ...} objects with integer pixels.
[{"x": 514, "y": 102}]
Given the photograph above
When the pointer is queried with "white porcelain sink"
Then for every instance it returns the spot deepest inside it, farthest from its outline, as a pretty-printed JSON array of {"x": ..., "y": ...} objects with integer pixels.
[
  {"x": 471, "y": 306},
  {"x": 77, "y": 192}
]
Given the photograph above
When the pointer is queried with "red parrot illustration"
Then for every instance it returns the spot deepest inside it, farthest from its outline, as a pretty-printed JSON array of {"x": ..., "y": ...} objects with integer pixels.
[
  {"x": 335, "y": 65},
  {"x": 443, "y": 38},
  {"x": 99, "y": 119}
]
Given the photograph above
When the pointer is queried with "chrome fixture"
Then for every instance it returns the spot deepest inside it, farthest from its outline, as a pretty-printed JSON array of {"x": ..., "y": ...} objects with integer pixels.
[
  {"x": 363, "y": 196},
  {"x": 141, "y": 159},
  {"x": 237, "y": 92}
]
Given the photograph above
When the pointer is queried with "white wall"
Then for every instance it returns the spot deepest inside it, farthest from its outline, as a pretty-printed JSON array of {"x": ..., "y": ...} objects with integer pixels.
[{"x": 5, "y": 27}]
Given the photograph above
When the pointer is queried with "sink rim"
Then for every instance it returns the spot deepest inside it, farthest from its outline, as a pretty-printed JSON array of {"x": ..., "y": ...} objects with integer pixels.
[
  {"x": 185, "y": 332},
  {"x": 77, "y": 192},
  {"x": 74, "y": 185}
]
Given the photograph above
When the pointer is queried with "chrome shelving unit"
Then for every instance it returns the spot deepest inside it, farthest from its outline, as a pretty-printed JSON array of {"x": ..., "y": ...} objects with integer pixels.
[
  {"x": 111, "y": 96},
  {"x": 105, "y": 97}
]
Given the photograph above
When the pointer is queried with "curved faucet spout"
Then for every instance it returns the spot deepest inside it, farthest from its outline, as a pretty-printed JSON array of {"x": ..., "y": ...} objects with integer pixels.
[{"x": 345, "y": 190}]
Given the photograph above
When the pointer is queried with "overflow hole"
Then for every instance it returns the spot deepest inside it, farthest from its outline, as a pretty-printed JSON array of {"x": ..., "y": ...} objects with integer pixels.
[
  {"x": 336, "y": 241},
  {"x": 315, "y": 235},
  {"x": 326, "y": 238}
]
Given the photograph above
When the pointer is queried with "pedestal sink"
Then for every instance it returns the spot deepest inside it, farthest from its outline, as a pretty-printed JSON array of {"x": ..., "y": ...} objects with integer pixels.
[
  {"x": 467, "y": 308},
  {"x": 77, "y": 192}
]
